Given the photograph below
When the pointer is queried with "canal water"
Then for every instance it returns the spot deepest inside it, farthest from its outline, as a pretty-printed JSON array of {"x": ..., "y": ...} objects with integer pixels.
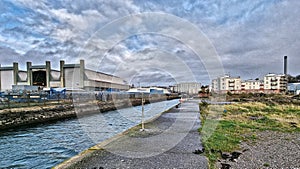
[{"x": 47, "y": 145}]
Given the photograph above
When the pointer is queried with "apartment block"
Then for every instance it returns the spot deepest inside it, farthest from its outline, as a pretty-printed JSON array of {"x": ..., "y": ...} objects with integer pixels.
[
  {"x": 252, "y": 86},
  {"x": 274, "y": 83},
  {"x": 271, "y": 83},
  {"x": 190, "y": 88},
  {"x": 226, "y": 83}
]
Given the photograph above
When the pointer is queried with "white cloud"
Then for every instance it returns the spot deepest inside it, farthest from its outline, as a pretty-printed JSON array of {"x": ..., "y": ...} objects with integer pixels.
[{"x": 250, "y": 36}]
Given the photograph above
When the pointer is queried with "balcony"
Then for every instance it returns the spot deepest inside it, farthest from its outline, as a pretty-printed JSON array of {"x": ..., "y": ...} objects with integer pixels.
[
  {"x": 273, "y": 80},
  {"x": 274, "y": 84},
  {"x": 231, "y": 81},
  {"x": 284, "y": 79}
]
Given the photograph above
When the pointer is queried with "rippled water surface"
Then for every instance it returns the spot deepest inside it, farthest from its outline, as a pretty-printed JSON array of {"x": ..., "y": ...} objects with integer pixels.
[{"x": 47, "y": 145}]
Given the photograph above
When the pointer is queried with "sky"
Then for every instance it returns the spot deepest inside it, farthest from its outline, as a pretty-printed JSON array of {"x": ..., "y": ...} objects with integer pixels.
[{"x": 154, "y": 42}]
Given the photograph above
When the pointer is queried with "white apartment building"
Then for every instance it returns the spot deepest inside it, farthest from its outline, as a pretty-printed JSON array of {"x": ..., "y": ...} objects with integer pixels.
[
  {"x": 190, "y": 88},
  {"x": 252, "y": 86},
  {"x": 274, "y": 83},
  {"x": 226, "y": 83}
]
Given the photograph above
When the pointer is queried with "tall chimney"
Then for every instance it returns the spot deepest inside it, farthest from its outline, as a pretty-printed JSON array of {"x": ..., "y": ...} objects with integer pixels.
[{"x": 285, "y": 65}]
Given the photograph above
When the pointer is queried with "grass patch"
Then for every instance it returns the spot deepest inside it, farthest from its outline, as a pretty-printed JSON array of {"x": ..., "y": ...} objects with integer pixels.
[{"x": 240, "y": 122}]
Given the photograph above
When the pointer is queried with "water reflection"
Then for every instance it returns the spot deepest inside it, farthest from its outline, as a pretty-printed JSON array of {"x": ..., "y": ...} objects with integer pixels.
[{"x": 47, "y": 145}]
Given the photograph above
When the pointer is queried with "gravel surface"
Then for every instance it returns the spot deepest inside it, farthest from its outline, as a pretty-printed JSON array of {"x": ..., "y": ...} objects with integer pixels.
[
  {"x": 167, "y": 142},
  {"x": 271, "y": 150}
]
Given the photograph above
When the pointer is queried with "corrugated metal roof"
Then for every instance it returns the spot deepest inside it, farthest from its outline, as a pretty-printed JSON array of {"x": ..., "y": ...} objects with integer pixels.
[{"x": 102, "y": 77}]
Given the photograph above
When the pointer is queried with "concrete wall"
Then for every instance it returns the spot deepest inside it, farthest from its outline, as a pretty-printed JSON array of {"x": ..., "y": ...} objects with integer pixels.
[
  {"x": 7, "y": 79},
  {"x": 72, "y": 78}
]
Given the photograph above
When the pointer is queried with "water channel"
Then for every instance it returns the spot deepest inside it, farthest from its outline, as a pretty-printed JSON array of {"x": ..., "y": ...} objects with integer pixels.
[{"x": 46, "y": 145}]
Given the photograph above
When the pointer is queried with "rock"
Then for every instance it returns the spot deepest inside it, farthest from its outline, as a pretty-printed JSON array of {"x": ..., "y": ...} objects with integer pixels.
[
  {"x": 293, "y": 124},
  {"x": 233, "y": 159},
  {"x": 225, "y": 166},
  {"x": 235, "y": 154},
  {"x": 199, "y": 151},
  {"x": 225, "y": 155}
]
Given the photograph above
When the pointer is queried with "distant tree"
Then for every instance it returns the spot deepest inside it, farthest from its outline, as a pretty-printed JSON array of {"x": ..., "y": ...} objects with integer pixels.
[{"x": 292, "y": 79}]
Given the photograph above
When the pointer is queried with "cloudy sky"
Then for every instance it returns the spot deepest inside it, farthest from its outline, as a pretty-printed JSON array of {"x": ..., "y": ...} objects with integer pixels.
[{"x": 175, "y": 41}]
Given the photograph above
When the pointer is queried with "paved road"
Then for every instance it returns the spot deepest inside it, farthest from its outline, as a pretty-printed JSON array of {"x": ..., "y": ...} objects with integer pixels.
[{"x": 167, "y": 142}]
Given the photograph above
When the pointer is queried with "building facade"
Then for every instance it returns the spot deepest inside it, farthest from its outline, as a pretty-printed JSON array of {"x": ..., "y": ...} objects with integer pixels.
[
  {"x": 294, "y": 88},
  {"x": 225, "y": 84},
  {"x": 272, "y": 83},
  {"x": 252, "y": 86},
  {"x": 190, "y": 88},
  {"x": 70, "y": 76}
]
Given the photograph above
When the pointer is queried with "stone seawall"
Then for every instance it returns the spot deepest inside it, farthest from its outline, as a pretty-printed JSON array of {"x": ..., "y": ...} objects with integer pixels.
[{"x": 15, "y": 117}]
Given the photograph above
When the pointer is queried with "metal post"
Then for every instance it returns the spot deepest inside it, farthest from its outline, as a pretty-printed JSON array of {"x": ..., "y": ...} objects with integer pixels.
[{"x": 143, "y": 125}]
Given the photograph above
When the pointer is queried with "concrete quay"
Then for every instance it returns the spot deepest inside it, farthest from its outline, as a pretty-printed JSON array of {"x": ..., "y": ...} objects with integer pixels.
[{"x": 168, "y": 141}]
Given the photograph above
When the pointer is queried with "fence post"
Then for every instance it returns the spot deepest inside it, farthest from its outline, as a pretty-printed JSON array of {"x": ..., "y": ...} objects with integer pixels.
[
  {"x": 8, "y": 100},
  {"x": 28, "y": 98}
]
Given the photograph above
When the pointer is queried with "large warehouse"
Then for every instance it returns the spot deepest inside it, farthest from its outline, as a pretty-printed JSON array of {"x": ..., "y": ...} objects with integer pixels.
[{"x": 70, "y": 76}]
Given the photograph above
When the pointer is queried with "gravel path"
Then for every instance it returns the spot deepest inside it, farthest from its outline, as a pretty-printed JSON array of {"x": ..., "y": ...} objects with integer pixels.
[
  {"x": 271, "y": 150},
  {"x": 167, "y": 142}
]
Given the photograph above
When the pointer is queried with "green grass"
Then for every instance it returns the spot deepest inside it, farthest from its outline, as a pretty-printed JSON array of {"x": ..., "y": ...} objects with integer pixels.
[{"x": 240, "y": 123}]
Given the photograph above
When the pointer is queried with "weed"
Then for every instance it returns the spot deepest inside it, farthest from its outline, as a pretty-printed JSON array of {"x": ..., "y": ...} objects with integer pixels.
[{"x": 241, "y": 122}]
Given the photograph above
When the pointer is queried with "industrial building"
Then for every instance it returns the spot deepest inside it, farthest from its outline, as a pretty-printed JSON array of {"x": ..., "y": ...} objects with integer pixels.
[
  {"x": 294, "y": 88},
  {"x": 70, "y": 76},
  {"x": 149, "y": 90}
]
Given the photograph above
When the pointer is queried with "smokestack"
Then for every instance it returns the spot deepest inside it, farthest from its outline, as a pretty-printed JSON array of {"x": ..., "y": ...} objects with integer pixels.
[{"x": 285, "y": 65}]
